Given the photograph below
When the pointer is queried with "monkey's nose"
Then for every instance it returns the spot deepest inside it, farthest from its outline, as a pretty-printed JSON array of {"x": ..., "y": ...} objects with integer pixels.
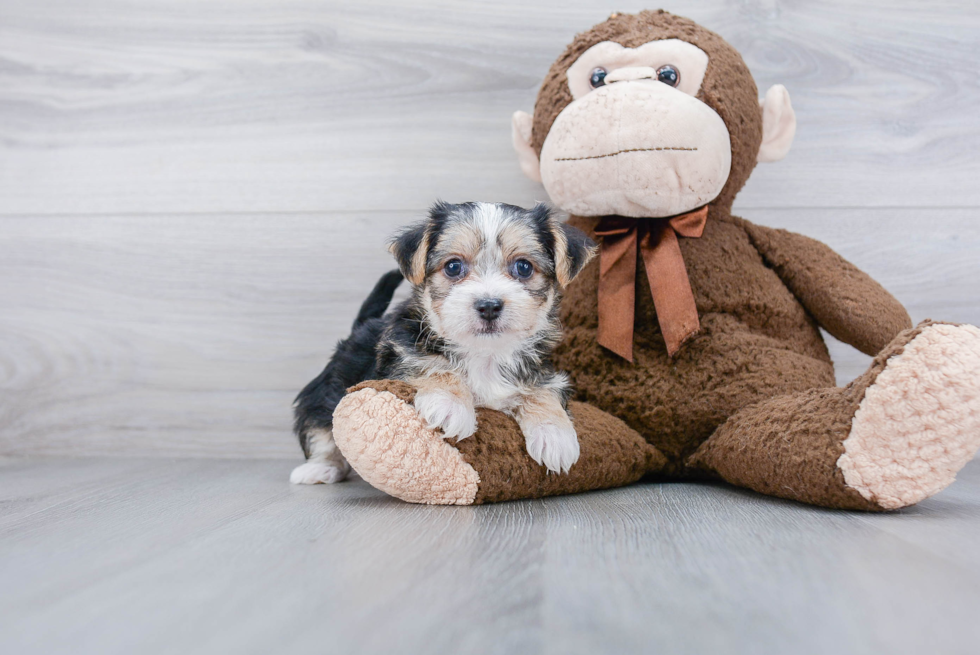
[
  {"x": 630, "y": 73},
  {"x": 489, "y": 308}
]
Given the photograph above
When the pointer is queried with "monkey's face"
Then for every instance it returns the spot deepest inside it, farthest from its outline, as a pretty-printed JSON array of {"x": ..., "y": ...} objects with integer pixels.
[
  {"x": 635, "y": 140},
  {"x": 651, "y": 130}
]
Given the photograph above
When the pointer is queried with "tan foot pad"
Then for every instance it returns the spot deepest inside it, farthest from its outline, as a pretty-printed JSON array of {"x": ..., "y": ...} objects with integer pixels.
[
  {"x": 401, "y": 456},
  {"x": 919, "y": 423}
]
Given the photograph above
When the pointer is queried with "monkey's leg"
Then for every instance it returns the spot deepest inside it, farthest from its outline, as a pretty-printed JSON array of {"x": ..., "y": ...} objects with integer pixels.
[
  {"x": 896, "y": 435},
  {"x": 390, "y": 447}
]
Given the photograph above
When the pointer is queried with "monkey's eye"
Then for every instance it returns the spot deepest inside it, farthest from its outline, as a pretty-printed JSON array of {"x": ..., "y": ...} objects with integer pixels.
[
  {"x": 598, "y": 77},
  {"x": 523, "y": 269},
  {"x": 453, "y": 268},
  {"x": 669, "y": 75}
]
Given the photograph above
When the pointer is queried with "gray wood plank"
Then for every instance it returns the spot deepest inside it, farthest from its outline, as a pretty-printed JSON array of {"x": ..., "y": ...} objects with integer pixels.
[
  {"x": 115, "y": 106},
  {"x": 200, "y": 556},
  {"x": 190, "y": 335}
]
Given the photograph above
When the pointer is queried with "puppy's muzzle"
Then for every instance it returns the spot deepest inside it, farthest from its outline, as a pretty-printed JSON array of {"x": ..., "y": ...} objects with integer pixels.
[{"x": 489, "y": 309}]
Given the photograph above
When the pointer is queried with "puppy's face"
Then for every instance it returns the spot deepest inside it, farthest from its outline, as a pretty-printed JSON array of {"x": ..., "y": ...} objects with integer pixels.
[{"x": 488, "y": 275}]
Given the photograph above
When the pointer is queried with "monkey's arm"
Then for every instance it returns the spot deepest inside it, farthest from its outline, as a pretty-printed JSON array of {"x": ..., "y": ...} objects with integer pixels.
[{"x": 845, "y": 300}]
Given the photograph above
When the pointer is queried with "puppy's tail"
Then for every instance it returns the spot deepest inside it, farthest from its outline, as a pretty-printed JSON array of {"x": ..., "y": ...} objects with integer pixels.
[{"x": 380, "y": 297}]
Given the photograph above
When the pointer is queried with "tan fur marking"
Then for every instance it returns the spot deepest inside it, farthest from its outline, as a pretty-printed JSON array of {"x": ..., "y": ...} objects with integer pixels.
[
  {"x": 541, "y": 406},
  {"x": 448, "y": 382},
  {"x": 515, "y": 241},
  {"x": 563, "y": 266},
  {"x": 416, "y": 269},
  {"x": 416, "y": 274},
  {"x": 460, "y": 241}
]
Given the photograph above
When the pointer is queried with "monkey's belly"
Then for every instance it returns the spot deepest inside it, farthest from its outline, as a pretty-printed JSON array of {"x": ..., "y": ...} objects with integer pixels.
[{"x": 677, "y": 404}]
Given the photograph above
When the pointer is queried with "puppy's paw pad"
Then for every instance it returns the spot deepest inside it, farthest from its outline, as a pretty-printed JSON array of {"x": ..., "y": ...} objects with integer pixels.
[
  {"x": 319, "y": 473},
  {"x": 441, "y": 409},
  {"x": 554, "y": 446}
]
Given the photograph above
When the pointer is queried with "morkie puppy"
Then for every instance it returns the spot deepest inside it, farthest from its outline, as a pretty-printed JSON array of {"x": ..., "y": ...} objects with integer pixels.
[{"x": 477, "y": 331}]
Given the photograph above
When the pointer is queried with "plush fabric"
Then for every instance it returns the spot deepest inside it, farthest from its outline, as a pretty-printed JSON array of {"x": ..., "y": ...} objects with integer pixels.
[
  {"x": 920, "y": 422},
  {"x": 750, "y": 398},
  {"x": 778, "y": 124},
  {"x": 629, "y": 62},
  {"x": 897, "y": 434},
  {"x": 844, "y": 300},
  {"x": 660, "y": 124},
  {"x": 390, "y": 447},
  {"x": 728, "y": 86},
  {"x": 894, "y": 436},
  {"x": 789, "y": 446},
  {"x": 756, "y": 341},
  {"x": 612, "y": 455}
]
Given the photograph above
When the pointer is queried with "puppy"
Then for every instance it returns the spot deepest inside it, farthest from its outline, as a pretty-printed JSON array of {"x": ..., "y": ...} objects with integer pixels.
[{"x": 477, "y": 331}]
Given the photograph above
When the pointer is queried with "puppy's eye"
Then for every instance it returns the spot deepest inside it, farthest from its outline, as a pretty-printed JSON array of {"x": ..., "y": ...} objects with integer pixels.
[
  {"x": 523, "y": 269},
  {"x": 669, "y": 75},
  {"x": 598, "y": 77},
  {"x": 453, "y": 268}
]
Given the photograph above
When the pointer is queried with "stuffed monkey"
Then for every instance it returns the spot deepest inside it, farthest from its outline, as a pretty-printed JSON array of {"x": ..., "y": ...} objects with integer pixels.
[{"x": 693, "y": 339}]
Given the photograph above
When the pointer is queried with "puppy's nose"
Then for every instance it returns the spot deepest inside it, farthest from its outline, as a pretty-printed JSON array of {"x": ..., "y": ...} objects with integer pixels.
[{"x": 489, "y": 308}]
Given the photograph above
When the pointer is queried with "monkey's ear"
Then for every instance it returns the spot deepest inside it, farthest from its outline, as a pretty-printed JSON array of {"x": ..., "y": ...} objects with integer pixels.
[
  {"x": 573, "y": 250},
  {"x": 410, "y": 249},
  {"x": 521, "y": 133},
  {"x": 778, "y": 124}
]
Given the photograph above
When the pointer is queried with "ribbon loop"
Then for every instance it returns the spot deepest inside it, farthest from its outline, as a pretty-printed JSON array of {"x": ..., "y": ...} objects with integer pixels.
[
  {"x": 615, "y": 226},
  {"x": 623, "y": 239}
]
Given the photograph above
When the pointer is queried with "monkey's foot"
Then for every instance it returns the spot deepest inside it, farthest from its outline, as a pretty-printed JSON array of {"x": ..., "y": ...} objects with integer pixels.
[
  {"x": 919, "y": 422},
  {"x": 389, "y": 445}
]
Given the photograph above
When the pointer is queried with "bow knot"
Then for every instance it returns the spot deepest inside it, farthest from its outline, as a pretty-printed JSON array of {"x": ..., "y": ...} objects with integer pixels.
[{"x": 655, "y": 239}]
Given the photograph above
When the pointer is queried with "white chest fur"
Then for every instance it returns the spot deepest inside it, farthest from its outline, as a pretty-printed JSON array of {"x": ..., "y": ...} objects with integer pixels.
[{"x": 489, "y": 386}]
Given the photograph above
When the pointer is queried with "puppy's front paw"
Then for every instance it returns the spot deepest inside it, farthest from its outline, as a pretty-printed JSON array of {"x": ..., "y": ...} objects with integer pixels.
[
  {"x": 555, "y": 446},
  {"x": 441, "y": 409}
]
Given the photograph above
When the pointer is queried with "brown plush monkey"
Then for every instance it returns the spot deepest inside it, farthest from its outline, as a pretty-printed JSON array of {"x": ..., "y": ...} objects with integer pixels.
[{"x": 694, "y": 338}]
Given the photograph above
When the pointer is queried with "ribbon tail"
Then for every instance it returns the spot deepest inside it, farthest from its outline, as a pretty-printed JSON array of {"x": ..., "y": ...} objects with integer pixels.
[
  {"x": 617, "y": 293},
  {"x": 670, "y": 288}
]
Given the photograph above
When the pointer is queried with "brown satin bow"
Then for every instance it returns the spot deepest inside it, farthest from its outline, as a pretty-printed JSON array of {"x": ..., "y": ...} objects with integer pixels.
[{"x": 664, "y": 263}]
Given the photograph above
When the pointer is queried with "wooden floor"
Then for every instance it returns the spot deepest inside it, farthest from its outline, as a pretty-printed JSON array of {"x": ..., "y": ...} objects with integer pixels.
[{"x": 218, "y": 556}]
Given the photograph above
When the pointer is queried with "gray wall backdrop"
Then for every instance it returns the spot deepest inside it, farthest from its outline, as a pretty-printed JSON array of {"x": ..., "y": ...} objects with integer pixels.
[{"x": 194, "y": 196}]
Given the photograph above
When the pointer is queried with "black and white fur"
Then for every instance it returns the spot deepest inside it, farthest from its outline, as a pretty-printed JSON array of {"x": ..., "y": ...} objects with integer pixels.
[{"x": 477, "y": 331}]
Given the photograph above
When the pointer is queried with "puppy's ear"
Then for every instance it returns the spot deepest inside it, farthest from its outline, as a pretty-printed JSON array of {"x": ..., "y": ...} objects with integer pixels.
[
  {"x": 573, "y": 249},
  {"x": 410, "y": 249},
  {"x": 411, "y": 246}
]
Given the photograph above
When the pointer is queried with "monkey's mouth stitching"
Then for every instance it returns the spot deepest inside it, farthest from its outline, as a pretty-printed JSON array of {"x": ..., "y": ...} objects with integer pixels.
[{"x": 619, "y": 152}]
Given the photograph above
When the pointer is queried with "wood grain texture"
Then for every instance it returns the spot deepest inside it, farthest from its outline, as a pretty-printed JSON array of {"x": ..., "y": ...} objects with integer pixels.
[
  {"x": 118, "y": 106},
  {"x": 194, "y": 556},
  {"x": 190, "y": 335},
  {"x": 194, "y": 197}
]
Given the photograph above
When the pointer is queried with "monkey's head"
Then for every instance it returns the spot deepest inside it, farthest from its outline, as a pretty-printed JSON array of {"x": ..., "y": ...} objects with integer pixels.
[{"x": 649, "y": 115}]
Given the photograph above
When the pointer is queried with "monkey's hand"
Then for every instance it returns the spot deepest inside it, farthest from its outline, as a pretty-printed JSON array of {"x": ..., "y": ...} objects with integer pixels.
[{"x": 846, "y": 301}]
